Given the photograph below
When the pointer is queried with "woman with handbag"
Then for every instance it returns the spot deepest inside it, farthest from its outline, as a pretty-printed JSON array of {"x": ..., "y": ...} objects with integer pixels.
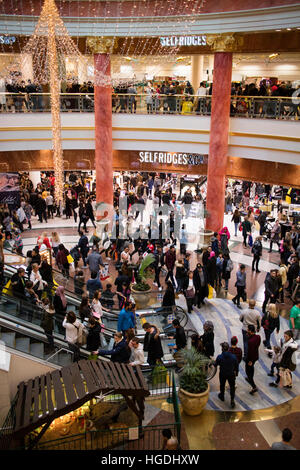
[
  {"x": 270, "y": 322},
  {"x": 62, "y": 260},
  {"x": 38, "y": 283},
  {"x": 189, "y": 291},
  {"x": 75, "y": 333},
  {"x": 96, "y": 306}
]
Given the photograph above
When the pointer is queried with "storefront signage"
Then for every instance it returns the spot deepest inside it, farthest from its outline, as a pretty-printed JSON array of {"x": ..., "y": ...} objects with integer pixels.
[
  {"x": 7, "y": 39},
  {"x": 172, "y": 158},
  {"x": 183, "y": 41}
]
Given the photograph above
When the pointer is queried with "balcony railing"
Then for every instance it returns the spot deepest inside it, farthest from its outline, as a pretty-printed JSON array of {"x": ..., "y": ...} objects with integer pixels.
[{"x": 266, "y": 107}]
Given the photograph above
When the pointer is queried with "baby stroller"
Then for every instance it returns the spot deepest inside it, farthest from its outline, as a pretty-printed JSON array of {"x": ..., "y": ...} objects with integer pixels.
[{"x": 268, "y": 228}]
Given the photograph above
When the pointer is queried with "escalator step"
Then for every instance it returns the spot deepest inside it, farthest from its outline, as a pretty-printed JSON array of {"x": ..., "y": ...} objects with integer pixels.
[
  {"x": 64, "y": 359},
  {"x": 9, "y": 339},
  {"x": 37, "y": 349},
  {"x": 23, "y": 344}
]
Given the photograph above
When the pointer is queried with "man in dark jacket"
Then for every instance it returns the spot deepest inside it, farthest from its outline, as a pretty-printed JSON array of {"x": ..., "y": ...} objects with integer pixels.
[
  {"x": 229, "y": 369},
  {"x": 271, "y": 288},
  {"x": 120, "y": 352},
  {"x": 257, "y": 252},
  {"x": 262, "y": 222},
  {"x": 158, "y": 264},
  {"x": 40, "y": 207},
  {"x": 180, "y": 337},
  {"x": 293, "y": 272},
  {"x": 152, "y": 344},
  {"x": 252, "y": 356},
  {"x": 83, "y": 245},
  {"x": 200, "y": 284},
  {"x": 18, "y": 283}
]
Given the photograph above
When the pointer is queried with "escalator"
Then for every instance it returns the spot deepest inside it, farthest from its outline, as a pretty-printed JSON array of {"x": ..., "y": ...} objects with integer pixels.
[{"x": 30, "y": 316}]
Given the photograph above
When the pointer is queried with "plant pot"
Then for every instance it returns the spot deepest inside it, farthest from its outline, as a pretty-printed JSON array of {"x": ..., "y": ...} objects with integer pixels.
[
  {"x": 193, "y": 403},
  {"x": 204, "y": 238},
  {"x": 141, "y": 298}
]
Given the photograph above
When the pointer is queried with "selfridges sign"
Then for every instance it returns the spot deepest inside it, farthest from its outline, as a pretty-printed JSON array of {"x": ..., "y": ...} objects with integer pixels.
[
  {"x": 172, "y": 158},
  {"x": 173, "y": 41}
]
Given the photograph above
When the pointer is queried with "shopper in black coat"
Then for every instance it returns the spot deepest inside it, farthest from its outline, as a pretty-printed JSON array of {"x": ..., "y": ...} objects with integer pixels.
[
  {"x": 201, "y": 284},
  {"x": 93, "y": 337},
  {"x": 120, "y": 352},
  {"x": 168, "y": 301},
  {"x": 207, "y": 339},
  {"x": 152, "y": 344}
]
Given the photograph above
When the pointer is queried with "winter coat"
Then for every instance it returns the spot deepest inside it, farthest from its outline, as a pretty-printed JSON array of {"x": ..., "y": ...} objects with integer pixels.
[
  {"x": 120, "y": 352},
  {"x": 153, "y": 346},
  {"x": 287, "y": 350},
  {"x": 93, "y": 338},
  {"x": 271, "y": 285},
  {"x": 126, "y": 320},
  {"x": 228, "y": 364}
]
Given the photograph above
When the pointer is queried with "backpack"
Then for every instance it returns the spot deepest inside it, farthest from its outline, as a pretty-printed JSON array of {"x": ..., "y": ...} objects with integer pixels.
[
  {"x": 229, "y": 266},
  {"x": 293, "y": 361}
]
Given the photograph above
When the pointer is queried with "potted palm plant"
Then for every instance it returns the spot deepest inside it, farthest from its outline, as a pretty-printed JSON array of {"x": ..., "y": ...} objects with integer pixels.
[
  {"x": 193, "y": 386},
  {"x": 141, "y": 290}
]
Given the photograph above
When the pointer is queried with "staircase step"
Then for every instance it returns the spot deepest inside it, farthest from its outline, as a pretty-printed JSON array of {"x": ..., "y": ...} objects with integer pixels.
[
  {"x": 23, "y": 344},
  {"x": 8, "y": 339},
  {"x": 37, "y": 349}
]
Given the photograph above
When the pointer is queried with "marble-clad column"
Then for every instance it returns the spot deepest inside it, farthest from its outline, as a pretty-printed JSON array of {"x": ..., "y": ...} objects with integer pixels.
[
  {"x": 103, "y": 131},
  {"x": 218, "y": 143},
  {"x": 102, "y": 47}
]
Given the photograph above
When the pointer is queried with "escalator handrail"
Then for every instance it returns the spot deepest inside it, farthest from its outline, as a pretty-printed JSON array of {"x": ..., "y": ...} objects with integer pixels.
[{"x": 113, "y": 312}]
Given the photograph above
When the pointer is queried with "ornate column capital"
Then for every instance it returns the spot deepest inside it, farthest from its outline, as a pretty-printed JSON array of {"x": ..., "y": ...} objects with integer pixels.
[
  {"x": 101, "y": 45},
  {"x": 228, "y": 42}
]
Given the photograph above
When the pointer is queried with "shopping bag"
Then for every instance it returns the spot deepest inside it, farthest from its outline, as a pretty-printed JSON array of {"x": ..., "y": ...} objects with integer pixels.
[
  {"x": 70, "y": 259},
  {"x": 210, "y": 292},
  {"x": 250, "y": 241},
  {"x": 55, "y": 286},
  {"x": 159, "y": 374},
  {"x": 7, "y": 289}
]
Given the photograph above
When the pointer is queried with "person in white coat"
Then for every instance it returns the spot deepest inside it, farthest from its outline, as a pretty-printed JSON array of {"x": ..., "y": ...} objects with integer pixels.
[
  {"x": 74, "y": 332},
  {"x": 137, "y": 352}
]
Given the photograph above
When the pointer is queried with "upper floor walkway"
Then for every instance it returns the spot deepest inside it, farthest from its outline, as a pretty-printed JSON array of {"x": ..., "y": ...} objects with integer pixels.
[{"x": 256, "y": 138}]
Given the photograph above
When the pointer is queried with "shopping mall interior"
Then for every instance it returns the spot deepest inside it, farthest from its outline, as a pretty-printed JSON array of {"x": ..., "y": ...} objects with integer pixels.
[{"x": 149, "y": 225}]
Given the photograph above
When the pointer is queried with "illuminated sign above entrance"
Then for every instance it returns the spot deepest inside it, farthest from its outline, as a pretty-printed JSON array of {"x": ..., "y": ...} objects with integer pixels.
[
  {"x": 172, "y": 41},
  {"x": 172, "y": 158},
  {"x": 7, "y": 39}
]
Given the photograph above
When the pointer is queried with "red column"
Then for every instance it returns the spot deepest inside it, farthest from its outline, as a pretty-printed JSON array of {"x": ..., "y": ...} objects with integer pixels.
[
  {"x": 103, "y": 130},
  {"x": 218, "y": 142}
]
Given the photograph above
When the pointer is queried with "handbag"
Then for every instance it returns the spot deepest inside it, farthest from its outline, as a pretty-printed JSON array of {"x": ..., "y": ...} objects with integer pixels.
[
  {"x": 250, "y": 241},
  {"x": 81, "y": 339}
]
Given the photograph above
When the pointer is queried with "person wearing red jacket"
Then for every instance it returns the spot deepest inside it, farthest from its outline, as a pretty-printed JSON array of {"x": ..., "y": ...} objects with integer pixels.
[
  {"x": 252, "y": 356},
  {"x": 170, "y": 263}
]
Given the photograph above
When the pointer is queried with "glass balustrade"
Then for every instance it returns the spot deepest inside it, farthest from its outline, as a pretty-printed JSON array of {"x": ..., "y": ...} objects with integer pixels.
[{"x": 265, "y": 107}]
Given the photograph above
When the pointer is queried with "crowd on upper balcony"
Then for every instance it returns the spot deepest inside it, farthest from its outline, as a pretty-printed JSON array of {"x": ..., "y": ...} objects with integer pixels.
[{"x": 154, "y": 97}]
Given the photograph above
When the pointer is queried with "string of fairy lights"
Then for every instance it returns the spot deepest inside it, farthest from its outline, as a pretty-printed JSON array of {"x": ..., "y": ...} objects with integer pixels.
[{"x": 50, "y": 45}]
